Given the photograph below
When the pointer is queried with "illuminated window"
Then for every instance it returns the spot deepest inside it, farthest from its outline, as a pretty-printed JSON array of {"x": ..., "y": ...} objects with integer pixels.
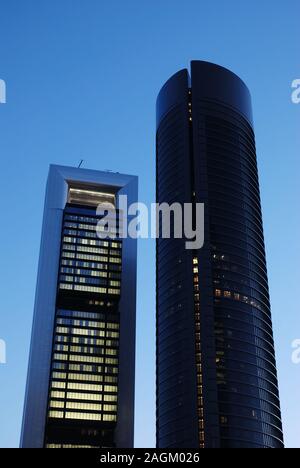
[
  {"x": 110, "y": 398},
  {"x": 115, "y": 260},
  {"x": 110, "y": 408},
  {"x": 60, "y": 357},
  {"x": 56, "y": 414},
  {"x": 115, "y": 283},
  {"x": 84, "y": 396},
  {"x": 111, "y": 352},
  {"x": 111, "y": 379},
  {"x": 65, "y": 286},
  {"x": 83, "y": 406},
  {"x": 56, "y": 404},
  {"x": 110, "y": 389},
  {"x": 55, "y": 394},
  {"x": 86, "y": 196},
  {"x": 58, "y": 385},
  {"x": 113, "y": 326},
  {"x": 90, "y": 289},
  {"x": 114, "y": 291},
  {"x": 84, "y": 386}
]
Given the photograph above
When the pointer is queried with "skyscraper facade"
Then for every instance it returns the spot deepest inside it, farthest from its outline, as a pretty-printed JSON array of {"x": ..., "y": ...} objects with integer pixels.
[
  {"x": 80, "y": 388},
  {"x": 216, "y": 370}
]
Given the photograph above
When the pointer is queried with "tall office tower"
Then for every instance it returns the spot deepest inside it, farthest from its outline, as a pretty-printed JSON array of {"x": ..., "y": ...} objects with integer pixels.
[
  {"x": 80, "y": 387},
  {"x": 216, "y": 371}
]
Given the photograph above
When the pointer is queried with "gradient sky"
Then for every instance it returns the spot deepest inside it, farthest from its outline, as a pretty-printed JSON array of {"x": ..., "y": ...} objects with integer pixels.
[{"x": 82, "y": 79}]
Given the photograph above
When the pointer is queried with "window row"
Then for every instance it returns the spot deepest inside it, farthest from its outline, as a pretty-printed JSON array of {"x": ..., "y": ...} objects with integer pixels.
[
  {"x": 81, "y": 314},
  {"x": 82, "y": 416},
  {"x": 96, "y": 258},
  {"x": 90, "y": 280},
  {"x": 91, "y": 235},
  {"x": 87, "y": 323},
  {"x": 85, "y": 341},
  {"x": 63, "y": 395},
  {"x": 95, "y": 250},
  {"x": 88, "y": 359},
  {"x": 88, "y": 396},
  {"x": 94, "y": 289},
  {"x": 83, "y": 406},
  {"x": 86, "y": 350},
  {"x": 87, "y": 332}
]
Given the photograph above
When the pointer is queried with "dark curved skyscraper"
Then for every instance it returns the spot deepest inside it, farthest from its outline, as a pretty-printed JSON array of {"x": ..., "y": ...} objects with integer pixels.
[{"x": 216, "y": 371}]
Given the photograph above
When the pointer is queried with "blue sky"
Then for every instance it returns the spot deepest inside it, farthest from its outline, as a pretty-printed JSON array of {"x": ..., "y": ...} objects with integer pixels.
[{"x": 82, "y": 79}]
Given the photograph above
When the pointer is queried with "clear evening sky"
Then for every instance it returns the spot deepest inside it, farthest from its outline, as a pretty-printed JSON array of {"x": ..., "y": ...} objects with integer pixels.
[{"x": 82, "y": 79}]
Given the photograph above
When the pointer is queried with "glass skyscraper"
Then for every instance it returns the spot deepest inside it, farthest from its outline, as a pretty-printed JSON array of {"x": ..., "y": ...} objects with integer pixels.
[
  {"x": 216, "y": 371},
  {"x": 80, "y": 389}
]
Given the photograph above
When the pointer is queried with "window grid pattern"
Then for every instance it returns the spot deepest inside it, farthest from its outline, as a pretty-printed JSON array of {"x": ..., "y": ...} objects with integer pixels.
[
  {"x": 85, "y": 358},
  {"x": 200, "y": 401},
  {"x": 89, "y": 264},
  {"x": 243, "y": 327}
]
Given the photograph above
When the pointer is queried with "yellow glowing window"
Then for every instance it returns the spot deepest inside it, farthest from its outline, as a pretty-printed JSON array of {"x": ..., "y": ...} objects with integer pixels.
[
  {"x": 115, "y": 260},
  {"x": 61, "y": 330},
  {"x": 111, "y": 352},
  {"x": 111, "y": 379},
  {"x": 55, "y": 394},
  {"x": 110, "y": 398},
  {"x": 84, "y": 386},
  {"x": 60, "y": 357},
  {"x": 111, "y": 361},
  {"x": 90, "y": 289},
  {"x": 110, "y": 388},
  {"x": 114, "y": 291},
  {"x": 84, "y": 416},
  {"x": 113, "y": 326},
  {"x": 59, "y": 375},
  {"x": 65, "y": 286},
  {"x": 84, "y": 396},
  {"x": 109, "y": 417},
  {"x": 110, "y": 408},
  {"x": 84, "y": 406},
  {"x": 115, "y": 245},
  {"x": 56, "y": 404},
  {"x": 58, "y": 385},
  {"x": 56, "y": 414}
]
